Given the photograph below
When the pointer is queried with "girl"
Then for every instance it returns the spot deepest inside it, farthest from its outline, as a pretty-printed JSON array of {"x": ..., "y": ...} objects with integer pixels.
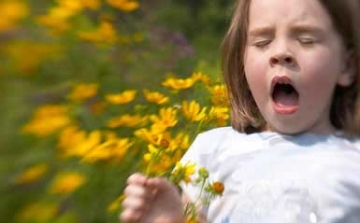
[{"x": 292, "y": 70}]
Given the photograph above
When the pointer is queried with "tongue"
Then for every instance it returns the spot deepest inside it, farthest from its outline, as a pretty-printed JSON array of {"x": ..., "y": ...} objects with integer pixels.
[{"x": 284, "y": 99}]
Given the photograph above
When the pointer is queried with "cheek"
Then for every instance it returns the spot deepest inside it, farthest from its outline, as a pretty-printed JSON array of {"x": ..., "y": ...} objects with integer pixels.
[
  {"x": 255, "y": 71},
  {"x": 318, "y": 78}
]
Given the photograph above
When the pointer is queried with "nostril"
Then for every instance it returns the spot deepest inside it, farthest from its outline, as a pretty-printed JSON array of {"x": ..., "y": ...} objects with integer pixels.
[
  {"x": 288, "y": 60},
  {"x": 274, "y": 60}
]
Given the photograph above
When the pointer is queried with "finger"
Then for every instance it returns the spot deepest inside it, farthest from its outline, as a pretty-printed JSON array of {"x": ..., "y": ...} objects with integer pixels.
[
  {"x": 137, "y": 178},
  {"x": 135, "y": 203},
  {"x": 136, "y": 191},
  {"x": 130, "y": 216}
]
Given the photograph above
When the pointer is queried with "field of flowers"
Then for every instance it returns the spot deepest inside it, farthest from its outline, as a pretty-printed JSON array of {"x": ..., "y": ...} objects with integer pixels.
[{"x": 94, "y": 90}]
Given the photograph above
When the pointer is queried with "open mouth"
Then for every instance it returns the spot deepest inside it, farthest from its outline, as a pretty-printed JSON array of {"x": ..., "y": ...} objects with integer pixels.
[{"x": 284, "y": 95}]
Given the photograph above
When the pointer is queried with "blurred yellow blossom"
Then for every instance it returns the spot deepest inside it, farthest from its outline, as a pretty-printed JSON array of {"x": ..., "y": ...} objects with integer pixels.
[
  {"x": 158, "y": 161},
  {"x": 181, "y": 141},
  {"x": 179, "y": 84},
  {"x": 127, "y": 121},
  {"x": 220, "y": 115},
  {"x": 32, "y": 174},
  {"x": 71, "y": 5},
  {"x": 124, "y": 5},
  {"x": 38, "y": 212},
  {"x": 77, "y": 5},
  {"x": 112, "y": 148},
  {"x": 11, "y": 13},
  {"x": 219, "y": 95},
  {"x": 66, "y": 183},
  {"x": 192, "y": 111},
  {"x": 199, "y": 76},
  {"x": 57, "y": 18},
  {"x": 77, "y": 143},
  {"x": 121, "y": 98},
  {"x": 155, "y": 97},
  {"x": 166, "y": 118},
  {"x": 47, "y": 120},
  {"x": 27, "y": 56},
  {"x": 151, "y": 136},
  {"x": 105, "y": 33},
  {"x": 69, "y": 138},
  {"x": 82, "y": 92}
]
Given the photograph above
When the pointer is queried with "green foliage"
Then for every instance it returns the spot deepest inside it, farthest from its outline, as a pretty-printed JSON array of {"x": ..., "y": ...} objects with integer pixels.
[{"x": 42, "y": 65}]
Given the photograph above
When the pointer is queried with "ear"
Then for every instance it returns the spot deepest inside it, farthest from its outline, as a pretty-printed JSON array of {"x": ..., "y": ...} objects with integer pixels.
[{"x": 347, "y": 76}]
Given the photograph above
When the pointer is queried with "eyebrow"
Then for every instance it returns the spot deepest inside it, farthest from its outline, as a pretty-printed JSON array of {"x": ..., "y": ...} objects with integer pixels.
[
  {"x": 261, "y": 31},
  {"x": 307, "y": 29},
  {"x": 268, "y": 30}
]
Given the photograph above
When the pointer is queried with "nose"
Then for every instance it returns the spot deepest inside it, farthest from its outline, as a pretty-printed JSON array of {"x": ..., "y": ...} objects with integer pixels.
[
  {"x": 282, "y": 59},
  {"x": 282, "y": 55}
]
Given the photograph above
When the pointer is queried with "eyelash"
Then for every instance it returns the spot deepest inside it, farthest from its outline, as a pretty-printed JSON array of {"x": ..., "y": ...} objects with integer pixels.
[
  {"x": 302, "y": 41},
  {"x": 306, "y": 41},
  {"x": 262, "y": 43}
]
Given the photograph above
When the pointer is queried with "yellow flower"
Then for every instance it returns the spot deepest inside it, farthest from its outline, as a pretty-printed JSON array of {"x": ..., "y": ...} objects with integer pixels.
[
  {"x": 181, "y": 141},
  {"x": 124, "y": 5},
  {"x": 155, "y": 97},
  {"x": 199, "y": 76},
  {"x": 57, "y": 19},
  {"x": 178, "y": 84},
  {"x": 106, "y": 33},
  {"x": 158, "y": 161},
  {"x": 166, "y": 118},
  {"x": 82, "y": 92},
  {"x": 66, "y": 183},
  {"x": 152, "y": 136},
  {"x": 11, "y": 13},
  {"x": 183, "y": 172},
  {"x": 153, "y": 153},
  {"x": 38, "y": 212},
  {"x": 47, "y": 120},
  {"x": 192, "y": 111},
  {"x": 81, "y": 148},
  {"x": 121, "y": 98},
  {"x": 127, "y": 121},
  {"x": 69, "y": 138},
  {"x": 219, "y": 95},
  {"x": 220, "y": 115},
  {"x": 71, "y": 5},
  {"x": 112, "y": 148},
  {"x": 32, "y": 174}
]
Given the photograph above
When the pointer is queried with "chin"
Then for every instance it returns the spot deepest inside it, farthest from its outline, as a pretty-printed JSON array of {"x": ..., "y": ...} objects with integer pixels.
[{"x": 286, "y": 130}]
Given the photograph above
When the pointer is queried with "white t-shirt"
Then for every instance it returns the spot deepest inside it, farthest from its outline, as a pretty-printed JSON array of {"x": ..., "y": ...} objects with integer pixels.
[{"x": 274, "y": 178}]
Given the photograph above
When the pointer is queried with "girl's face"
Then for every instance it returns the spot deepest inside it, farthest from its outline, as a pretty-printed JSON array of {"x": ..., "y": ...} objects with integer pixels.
[{"x": 294, "y": 58}]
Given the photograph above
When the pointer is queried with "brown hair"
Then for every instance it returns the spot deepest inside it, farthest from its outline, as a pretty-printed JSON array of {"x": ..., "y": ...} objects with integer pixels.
[{"x": 245, "y": 115}]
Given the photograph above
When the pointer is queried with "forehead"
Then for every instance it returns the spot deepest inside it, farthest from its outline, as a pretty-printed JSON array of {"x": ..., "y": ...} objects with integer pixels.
[{"x": 273, "y": 12}]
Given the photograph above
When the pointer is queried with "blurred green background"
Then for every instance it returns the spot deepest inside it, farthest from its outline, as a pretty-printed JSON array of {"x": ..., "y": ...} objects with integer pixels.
[{"x": 49, "y": 46}]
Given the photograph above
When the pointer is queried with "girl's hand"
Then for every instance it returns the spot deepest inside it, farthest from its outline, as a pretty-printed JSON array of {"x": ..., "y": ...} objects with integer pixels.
[{"x": 151, "y": 200}]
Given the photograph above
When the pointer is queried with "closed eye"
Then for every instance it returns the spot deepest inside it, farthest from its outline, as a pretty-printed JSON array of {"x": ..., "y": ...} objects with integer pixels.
[
  {"x": 261, "y": 43},
  {"x": 307, "y": 41}
]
